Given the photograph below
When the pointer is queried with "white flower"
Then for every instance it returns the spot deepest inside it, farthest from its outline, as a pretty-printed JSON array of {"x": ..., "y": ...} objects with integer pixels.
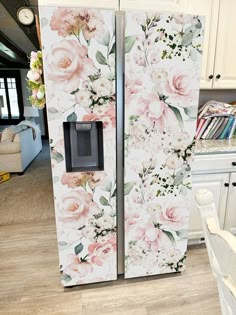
[
  {"x": 82, "y": 98},
  {"x": 103, "y": 87},
  {"x": 180, "y": 141},
  {"x": 173, "y": 162},
  {"x": 105, "y": 222}
]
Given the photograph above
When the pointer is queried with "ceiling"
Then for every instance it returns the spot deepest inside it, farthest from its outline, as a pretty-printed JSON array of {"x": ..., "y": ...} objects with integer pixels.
[{"x": 16, "y": 40}]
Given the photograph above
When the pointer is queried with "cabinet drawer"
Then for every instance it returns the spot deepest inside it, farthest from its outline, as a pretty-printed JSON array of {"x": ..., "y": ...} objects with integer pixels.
[{"x": 214, "y": 163}]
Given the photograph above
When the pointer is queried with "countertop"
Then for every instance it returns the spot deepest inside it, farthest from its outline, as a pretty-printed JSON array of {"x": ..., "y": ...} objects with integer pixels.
[{"x": 215, "y": 146}]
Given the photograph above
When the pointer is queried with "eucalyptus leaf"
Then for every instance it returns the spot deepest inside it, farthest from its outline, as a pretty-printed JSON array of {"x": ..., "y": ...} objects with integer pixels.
[
  {"x": 170, "y": 236},
  {"x": 52, "y": 110},
  {"x": 100, "y": 58},
  {"x": 113, "y": 49},
  {"x": 66, "y": 277},
  {"x": 72, "y": 117},
  {"x": 177, "y": 114},
  {"x": 105, "y": 39},
  {"x": 191, "y": 111},
  {"x": 57, "y": 156},
  {"x": 62, "y": 243},
  {"x": 182, "y": 234},
  {"x": 78, "y": 248},
  {"x": 179, "y": 178},
  {"x": 129, "y": 43},
  {"x": 187, "y": 39},
  {"x": 108, "y": 186},
  {"x": 104, "y": 201},
  {"x": 128, "y": 187}
]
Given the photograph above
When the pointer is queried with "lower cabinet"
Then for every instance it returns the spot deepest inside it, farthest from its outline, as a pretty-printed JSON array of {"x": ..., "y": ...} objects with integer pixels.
[
  {"x": 217, "y": 184},
  {"x": 216, "y": 173},
  {"x": 230, "y": 216}
]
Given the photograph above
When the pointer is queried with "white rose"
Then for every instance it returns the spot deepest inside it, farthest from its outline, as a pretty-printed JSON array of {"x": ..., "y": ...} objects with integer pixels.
[
  {"x": 173, "y": 162},
  {"x": 82, "y": 98},
  {"x": 105, "y": 222},
  {"x": 103, "y": 87}
]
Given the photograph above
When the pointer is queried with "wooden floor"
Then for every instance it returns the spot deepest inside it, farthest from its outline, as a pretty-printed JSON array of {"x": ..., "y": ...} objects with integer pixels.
[{"x": 29, "y": 282}]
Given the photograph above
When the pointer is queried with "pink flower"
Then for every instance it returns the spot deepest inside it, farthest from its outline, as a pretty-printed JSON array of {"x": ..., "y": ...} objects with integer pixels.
[
  {"x": 68, "y": 64},
  {"x": 108, "y": 117},
  {"x": 94, "y": 179},
  {"x": 182, "y": 18},
  {"x": 75, "y": 206},
  {"x": 182, "y": 85},
  {"x": 100, "y": 252},
  {"x": 72, "y": 21},
  {"x": 159, "y": 113},
  {"x": 76, "y": 268},
  {"x": 173, "y": 215}
]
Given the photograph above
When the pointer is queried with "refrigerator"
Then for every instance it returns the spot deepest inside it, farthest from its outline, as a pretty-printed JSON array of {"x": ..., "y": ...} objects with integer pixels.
[{"x": 122, "y": 92}]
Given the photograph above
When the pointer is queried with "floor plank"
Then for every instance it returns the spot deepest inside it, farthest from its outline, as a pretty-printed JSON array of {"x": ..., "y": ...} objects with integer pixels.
[{"x": 30, "y": 284}]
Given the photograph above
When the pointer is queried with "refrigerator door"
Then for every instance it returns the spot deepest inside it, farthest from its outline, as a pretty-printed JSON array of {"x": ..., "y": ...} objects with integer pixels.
[
  {"x": 79, "y": 69},
  {"x": 162, "y": 69}
]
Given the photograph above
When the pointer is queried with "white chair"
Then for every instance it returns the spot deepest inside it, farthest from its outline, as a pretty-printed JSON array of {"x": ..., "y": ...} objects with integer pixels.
[{"x": 221, "y": 246}]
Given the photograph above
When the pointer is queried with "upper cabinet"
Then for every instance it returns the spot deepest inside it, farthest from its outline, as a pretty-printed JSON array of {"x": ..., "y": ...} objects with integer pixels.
[{"x": 219, "y": 62}]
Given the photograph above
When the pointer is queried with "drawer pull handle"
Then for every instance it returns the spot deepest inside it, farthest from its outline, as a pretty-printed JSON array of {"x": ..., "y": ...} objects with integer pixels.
[
  {"x": 234, "y": 163},
  {"x": 226, "y": 184},
  {"x": 234, "y": 184},
  {"x": 218, "y": 76},
  {"x": 211, "y": 76}
]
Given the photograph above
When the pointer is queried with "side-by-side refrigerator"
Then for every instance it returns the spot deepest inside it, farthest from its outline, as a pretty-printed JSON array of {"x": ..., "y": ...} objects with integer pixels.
[{"x": 122, "y": 94}]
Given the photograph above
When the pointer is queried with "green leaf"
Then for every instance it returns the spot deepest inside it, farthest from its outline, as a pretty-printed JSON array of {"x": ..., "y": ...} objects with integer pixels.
[
  {"x": 129, "y": 43},
  {"x": 72, "y": 117},
  {"x": 128, "y": 187},
  {"x": 56, "y": 179},
  {"x": 52, "y": 110},
  {"x": 105, "y": 39},
  {"x": 113, "y": 49},
  {"x": 187, "y": 39},
  {"x": 66, "y": 277},
  {"x": 104, "y": 201},
  {"x": 170, "y": 236},
  {"x": 57, "y": 156},
  {"x": 114, "y": 193},
  {"x": 78, "y": 248},
  {"x": 62, "y": 243},
  {"x": 182, "y": 234},
  {"x": 100, "y": 58},
  {"x": 177, "y": 114},
  {"x": 108, "y": 186},
  {"x": 191, "y": 111}
]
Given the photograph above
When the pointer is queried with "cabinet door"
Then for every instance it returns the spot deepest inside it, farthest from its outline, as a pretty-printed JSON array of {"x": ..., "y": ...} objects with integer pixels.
[
  {"x": 225, "y": 62},
  {"x": 230, "y": 216},
  {"x": 215, "y": 183},
  {"x": 209, "y": 9},
  {"x": 157, "y": 5}
]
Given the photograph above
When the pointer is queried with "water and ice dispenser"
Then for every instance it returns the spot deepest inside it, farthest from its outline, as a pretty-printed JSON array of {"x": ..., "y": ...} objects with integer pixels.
[{"x": 83, "y": 146}]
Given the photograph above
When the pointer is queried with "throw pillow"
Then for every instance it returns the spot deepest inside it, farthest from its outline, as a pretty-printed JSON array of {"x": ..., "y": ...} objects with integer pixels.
[{"x": 8, "y": 134}]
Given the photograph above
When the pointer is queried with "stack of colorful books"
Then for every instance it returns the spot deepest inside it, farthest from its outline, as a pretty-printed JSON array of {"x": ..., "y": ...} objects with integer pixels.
[{"x": 216, "y": 120}]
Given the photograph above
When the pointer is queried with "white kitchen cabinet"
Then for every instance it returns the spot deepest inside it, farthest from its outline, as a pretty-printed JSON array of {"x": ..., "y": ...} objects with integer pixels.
[
  {"x": 210, "y": 10},
  {"x": 230, "y": 218},
  {"x": 225, "y": 61},
  {"x": 217, "y": 184},
  {"x": 219, "y": 63}
]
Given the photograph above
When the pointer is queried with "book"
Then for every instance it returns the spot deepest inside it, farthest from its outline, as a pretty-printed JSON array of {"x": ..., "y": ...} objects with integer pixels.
[
  {"x": 209, "y": 127},
  {"x": 228, "y": 125},
  {"x": 200, "y": 125},
  {"x": 221, "y": 128},
  {"x": 232, "y": 129},
  {"x": 215, "y": 127},
  {"x": 207, "y": 121},
  {"x": 227, "y": 135}
]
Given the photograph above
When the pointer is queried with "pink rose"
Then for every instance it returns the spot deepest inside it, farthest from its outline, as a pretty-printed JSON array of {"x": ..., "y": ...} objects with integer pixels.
[
  {"x": 182, "y": 84},
  {"x": 76, "y": 268},
  {"x": 173, "y": 215},
  {"x": 64, "y": 22},
  {"x": 68, "y": 64},
  {"x": 182, "y": 18},
  {"x": 75, "y": 206},
  {"x": 100, "y": 252},
  {"x": 159, "y": 113},
  {"x": 108, "y": 117}
]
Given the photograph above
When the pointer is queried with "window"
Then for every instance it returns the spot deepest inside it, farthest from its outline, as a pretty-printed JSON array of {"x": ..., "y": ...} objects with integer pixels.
[{"x": 11, "y": 103}]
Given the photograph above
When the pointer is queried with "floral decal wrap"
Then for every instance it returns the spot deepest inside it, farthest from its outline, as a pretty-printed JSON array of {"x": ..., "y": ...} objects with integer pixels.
[
  {"x": 79, "y": 65},
  {"x": 162, "y": 72}
]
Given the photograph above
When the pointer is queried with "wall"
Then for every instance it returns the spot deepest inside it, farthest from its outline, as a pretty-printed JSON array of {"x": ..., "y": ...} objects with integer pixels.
[{"x": 226, "y": 96}]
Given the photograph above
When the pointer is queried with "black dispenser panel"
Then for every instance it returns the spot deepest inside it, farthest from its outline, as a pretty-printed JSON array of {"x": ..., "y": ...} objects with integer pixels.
[{"x": 83, "y": 146}]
